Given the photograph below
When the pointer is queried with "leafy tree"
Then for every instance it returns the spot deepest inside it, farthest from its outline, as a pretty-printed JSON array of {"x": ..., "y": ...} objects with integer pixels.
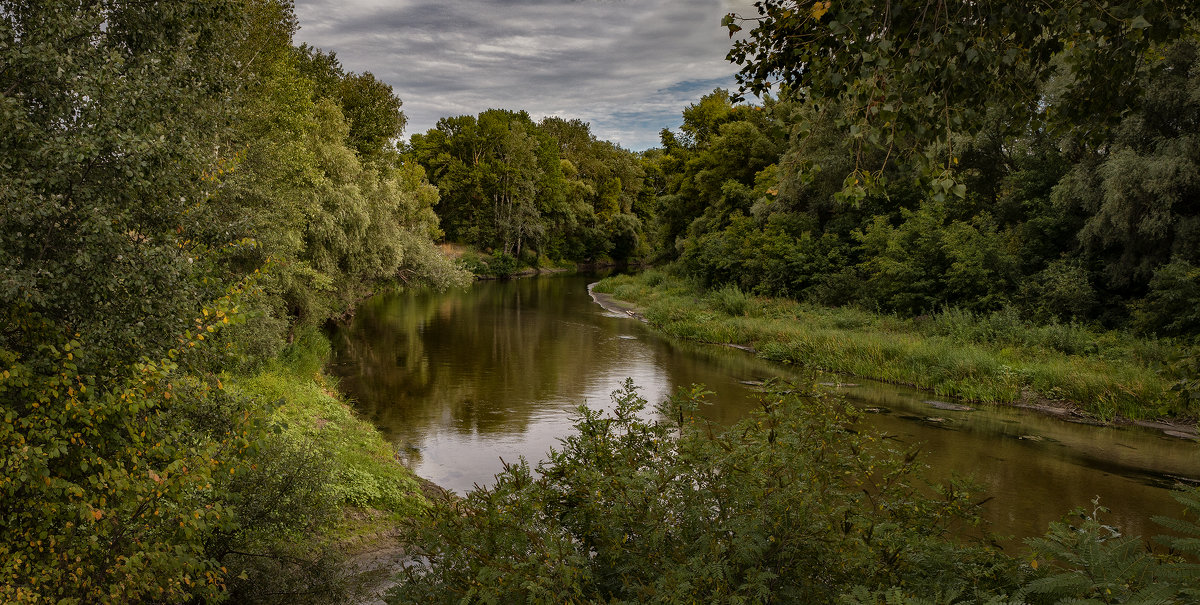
[
  {"x": 1172, "y": 308},
  {"x": 1139, "y": 192},
  {"x": 373, "y": 112},
  {"x": 164, "y": 164},
  {"x": 368, "y": 104},
  {"x": 911, "y": 75},
  {"x": 929, "y": 261},
  {"x": 518, "y": 187}
]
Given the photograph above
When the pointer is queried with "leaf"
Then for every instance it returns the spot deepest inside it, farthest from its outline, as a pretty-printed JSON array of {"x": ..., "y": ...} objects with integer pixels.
[
  {"x": 1139, "y": 22},
  {"x": 819, "y": 9},
  {"x": 727, "y": 22}
]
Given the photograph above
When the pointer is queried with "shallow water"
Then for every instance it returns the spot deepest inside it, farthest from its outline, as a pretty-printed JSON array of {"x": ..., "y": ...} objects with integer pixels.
[{"x": 464, "y": 379}]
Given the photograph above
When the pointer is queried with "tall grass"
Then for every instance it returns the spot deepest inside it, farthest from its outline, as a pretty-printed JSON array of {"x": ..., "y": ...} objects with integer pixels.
[{"x": 991, "y": 358}]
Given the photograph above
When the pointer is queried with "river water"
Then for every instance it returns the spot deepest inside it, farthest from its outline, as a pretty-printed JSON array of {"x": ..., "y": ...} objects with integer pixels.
[{"x": 463, "y": 379}]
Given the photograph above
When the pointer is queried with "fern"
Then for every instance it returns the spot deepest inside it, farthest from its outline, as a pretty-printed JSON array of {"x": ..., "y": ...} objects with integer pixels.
[
  {"x": 1185, "y": 571},
  {"x": 1094, "y": 563}
]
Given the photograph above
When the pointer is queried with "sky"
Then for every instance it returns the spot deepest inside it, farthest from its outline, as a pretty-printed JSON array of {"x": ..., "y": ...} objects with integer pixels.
[{"x": 627, "y": 67}]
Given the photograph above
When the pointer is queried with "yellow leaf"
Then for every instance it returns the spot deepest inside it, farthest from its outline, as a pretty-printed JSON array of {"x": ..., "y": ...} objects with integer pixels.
[{"x": 819, "y": 9}]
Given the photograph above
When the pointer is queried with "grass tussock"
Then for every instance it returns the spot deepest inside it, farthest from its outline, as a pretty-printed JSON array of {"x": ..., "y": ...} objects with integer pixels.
[{"x": 990, "y": 358}]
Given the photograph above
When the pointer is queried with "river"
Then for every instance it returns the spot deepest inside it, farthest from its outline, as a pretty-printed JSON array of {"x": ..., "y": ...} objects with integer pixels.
[{"x": 463, "y": 379}]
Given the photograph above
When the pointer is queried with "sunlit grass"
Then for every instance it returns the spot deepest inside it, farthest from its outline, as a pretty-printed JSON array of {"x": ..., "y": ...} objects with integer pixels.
[
  {"x": 990, "y": 358},
  {"x": 308, "y": 410}
]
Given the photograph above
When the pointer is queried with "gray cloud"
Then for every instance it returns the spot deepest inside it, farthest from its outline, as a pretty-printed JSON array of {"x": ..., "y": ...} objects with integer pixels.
[{"x": 628, "y": 67}]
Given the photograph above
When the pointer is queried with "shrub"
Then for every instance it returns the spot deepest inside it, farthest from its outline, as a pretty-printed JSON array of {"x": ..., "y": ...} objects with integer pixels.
[
  {"x": 1063, "y": 290},
  {"x": 501, "y": 265},
  {"x": 730, "y": 300},
  {"x": 789, "y": 505},
  {"x": 1172, "y": 308}
]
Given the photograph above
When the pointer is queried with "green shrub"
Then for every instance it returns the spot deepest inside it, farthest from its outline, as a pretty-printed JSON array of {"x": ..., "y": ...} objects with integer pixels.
[
  {"x": 730, "y": 300},
  {"x": 1061, "y": 291},
  {"x": 501, "y": 265},
  {"x": 789, "y": 505},
  {"x": 1172, "y": 308}
]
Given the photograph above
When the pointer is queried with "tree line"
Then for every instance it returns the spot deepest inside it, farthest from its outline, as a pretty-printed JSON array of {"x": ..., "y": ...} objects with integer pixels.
[
  {"x": 902, "y": 164},
  {"x": 526, "y": 189}
]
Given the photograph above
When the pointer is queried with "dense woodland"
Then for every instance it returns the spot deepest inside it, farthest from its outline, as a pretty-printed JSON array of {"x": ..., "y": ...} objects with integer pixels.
[
  {"x": 186, "y": 194},
  {"x": 1058, "y": 213}
]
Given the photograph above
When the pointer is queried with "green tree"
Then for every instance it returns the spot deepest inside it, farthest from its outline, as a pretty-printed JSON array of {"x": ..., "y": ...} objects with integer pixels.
[
  {"x": 1139, "y": 192},
  {"x": 910, "y": 76}
]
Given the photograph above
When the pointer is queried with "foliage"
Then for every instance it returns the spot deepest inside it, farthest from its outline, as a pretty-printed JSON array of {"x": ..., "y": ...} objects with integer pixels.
[
  {"x": 1138, "y": 193},
  {"x": 919, "y": 159},
  {"x": 1094, "y": 562},
  {"x": 1063, "y": 290},
  {"x": 177, "y": 198},
  {"x": 509, "y": 184},
  {"x": 730, "y": 300},
  {"x": 1172, "y": 307},
  {"x": 789, "y": 504},
  {"x": 929, "y": 261},
  {"x": 360, "y": 467},
  {"x": 911, "y": 76}
]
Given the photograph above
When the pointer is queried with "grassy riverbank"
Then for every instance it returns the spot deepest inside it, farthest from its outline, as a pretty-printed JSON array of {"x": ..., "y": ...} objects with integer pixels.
[
  {"x": 311, "y": 412},
  {"x": 352, "y": 488},
  {"x": 994, "y": 358}
]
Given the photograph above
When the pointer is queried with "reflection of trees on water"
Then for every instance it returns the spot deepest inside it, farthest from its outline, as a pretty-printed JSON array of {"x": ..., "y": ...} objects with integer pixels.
[
  {"x": 495, "y": 359},
  {"x": 469, "y": 361}
]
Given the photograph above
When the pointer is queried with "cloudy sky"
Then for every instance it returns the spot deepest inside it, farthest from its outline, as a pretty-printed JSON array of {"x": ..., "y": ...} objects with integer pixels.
[{"x": 628, "y": 67}]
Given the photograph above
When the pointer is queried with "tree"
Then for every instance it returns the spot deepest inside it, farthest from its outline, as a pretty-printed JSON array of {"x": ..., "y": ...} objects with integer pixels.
[
  {"x": 113, "y": 124},
  {"x": 373, "y": 112},
  {"x": 910, "y": 74},
  {"x": 1140, "y": 192}
]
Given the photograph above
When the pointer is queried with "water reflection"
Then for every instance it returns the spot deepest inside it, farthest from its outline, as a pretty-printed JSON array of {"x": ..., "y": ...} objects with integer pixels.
[{"x": 464, "y": 379}]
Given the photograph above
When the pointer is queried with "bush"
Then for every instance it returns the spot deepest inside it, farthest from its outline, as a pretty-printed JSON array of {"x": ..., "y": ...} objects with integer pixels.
[
  {"x": 1061, "y": 291},
  {"x": 730, "y": 300},
  {"x": 789, "y": 505},
  {"x": 501, "y": 265},
  {"x": 1172, "y": 308}
]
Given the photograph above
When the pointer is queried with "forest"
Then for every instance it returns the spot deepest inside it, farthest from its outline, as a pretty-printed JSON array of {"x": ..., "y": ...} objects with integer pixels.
[{"x": 188, "y": 196}]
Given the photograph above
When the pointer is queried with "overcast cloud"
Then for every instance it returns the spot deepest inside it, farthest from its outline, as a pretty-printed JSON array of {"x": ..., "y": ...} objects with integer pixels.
[{"x": 628, "y": 67}]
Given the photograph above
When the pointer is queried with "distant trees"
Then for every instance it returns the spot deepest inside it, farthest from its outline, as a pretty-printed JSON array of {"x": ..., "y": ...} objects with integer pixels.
[{"x": 526, "y": 189}]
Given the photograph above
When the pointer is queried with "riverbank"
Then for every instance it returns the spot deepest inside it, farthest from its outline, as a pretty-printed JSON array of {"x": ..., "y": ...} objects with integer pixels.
[
  {"x": 370, "y": 491},
  {"x": 1067, "y": 370}
]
